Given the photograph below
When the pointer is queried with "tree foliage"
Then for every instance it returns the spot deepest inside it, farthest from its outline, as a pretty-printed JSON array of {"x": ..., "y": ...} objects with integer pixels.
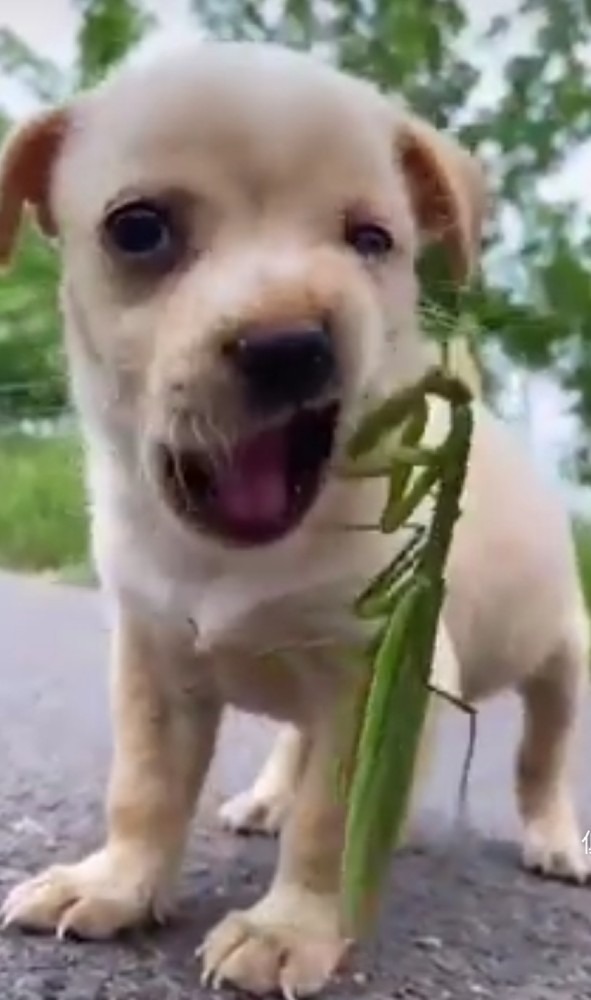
[
  {"x": 537, "y": 299},
  {"x": 32, "y": 372}
]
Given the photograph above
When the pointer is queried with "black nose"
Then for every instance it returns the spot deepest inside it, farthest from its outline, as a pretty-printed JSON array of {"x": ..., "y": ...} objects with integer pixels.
[{"x": 283, "y": 367}]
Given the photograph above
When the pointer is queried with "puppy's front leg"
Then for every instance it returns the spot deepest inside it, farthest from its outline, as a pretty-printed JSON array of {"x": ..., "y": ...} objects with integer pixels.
[
  {"x": 164, "y": 730},
  {"x": 292, "y": 939}
]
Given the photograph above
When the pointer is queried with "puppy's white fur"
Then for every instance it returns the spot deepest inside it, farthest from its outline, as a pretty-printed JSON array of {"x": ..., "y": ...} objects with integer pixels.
[{"x": 268, "y": 149}]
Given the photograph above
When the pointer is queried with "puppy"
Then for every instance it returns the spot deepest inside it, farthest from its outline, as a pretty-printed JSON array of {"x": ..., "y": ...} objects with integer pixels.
[{"x": 239, "y": 227}]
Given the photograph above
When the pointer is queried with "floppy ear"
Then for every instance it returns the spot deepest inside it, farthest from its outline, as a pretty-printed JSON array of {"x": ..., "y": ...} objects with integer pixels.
[
  {"x": 25, "y": 175},
  {"x": 448, "y": 192}
]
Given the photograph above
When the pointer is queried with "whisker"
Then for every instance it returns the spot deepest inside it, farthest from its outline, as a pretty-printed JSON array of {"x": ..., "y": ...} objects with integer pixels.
[{"x": 179, "y": 477}]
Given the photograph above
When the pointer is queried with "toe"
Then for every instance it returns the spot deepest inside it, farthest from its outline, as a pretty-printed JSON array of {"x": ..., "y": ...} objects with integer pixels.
[
  {"x": 308, "y": 967},
  {"x": 96, "y": 918},
  {"x": 38, "y": 903},
  {"x": 220, "y": 943},
  {"x": 253, "y": 966}
]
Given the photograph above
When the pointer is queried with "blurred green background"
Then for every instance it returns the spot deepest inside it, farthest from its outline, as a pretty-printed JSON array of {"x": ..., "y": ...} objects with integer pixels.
[{"x": 514, "y": 85}]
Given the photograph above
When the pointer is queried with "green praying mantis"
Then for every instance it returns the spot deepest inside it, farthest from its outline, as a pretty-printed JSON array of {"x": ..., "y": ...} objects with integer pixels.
[{"x": 404, "y": 604}]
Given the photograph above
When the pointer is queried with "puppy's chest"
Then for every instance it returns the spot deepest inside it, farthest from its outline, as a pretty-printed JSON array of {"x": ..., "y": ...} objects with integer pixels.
[
  {"x": 288, "y": 658},
  {"x": 277, "y": 647}
]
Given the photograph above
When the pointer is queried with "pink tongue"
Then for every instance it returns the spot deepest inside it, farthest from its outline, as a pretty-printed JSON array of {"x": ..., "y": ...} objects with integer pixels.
[{"x": 252, "y": 490}]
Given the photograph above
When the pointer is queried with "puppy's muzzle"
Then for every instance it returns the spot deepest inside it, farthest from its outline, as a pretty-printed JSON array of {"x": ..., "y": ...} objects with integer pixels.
[
  {"x": 266, "y": 478},
  {"x": 284, "y": 367}
]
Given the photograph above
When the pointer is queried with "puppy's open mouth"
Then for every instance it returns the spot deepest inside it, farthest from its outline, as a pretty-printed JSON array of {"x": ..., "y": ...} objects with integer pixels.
[{"x": 263, "y": 488}]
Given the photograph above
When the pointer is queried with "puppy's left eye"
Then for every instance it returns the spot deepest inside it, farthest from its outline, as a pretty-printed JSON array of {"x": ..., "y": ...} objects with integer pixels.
[{"x": 369, "y": 239}]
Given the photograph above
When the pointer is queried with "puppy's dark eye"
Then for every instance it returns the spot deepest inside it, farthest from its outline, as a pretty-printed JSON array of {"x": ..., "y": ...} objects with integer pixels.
[
  {"x": 369, "y": 239},
  {"x": 140, "y": 230}
]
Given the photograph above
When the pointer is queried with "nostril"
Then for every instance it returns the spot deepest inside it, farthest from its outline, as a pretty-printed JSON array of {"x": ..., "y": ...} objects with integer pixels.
[{"x": 284, "y": 366}]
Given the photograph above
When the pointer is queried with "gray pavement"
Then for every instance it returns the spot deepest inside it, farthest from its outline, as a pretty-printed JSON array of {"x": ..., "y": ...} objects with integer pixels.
[{"x": 460, "y": 919}]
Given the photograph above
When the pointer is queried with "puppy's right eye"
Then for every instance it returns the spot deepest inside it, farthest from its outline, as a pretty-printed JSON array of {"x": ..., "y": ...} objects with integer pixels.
[{"x": 141, "y": 230}]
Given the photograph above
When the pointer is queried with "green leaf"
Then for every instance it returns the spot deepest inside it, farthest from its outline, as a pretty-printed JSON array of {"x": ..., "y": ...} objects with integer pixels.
[{"x": 108, "y": 30}]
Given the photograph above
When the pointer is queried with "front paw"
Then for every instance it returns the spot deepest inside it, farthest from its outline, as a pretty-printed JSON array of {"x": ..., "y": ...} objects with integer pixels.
[
  {"x": 289, "y": 942},
  {"x": 96, "y": 898}
]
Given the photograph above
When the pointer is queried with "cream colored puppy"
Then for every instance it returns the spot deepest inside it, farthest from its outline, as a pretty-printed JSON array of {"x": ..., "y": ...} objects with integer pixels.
[{"x": 239, "y": 227}]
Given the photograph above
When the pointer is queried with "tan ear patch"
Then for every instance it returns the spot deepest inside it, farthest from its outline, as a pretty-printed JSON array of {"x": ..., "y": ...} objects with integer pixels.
[
  {"x": 448, "y": 192},
  {"x": 25, "y": 175}
]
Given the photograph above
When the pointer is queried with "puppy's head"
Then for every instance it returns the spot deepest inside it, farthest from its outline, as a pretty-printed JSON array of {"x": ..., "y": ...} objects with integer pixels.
[{"x": 239, "y": 228}]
